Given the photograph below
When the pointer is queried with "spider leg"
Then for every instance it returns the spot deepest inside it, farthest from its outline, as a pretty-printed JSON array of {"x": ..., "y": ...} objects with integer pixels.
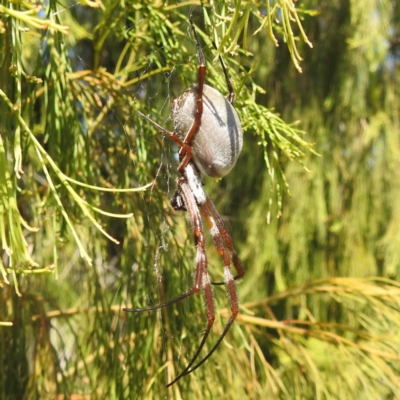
[
  {"x": 192, "y": 188},
  {"x": 184, "y": 156},
  {"x": 185, "y": 153},
  {"x": 191, "y": 205},
  {"x": 232, "y": 295},
  {"x": 210, "y": 321},
  {"x": 232, "y": 95},
  {"x": 216, "y": 225}
]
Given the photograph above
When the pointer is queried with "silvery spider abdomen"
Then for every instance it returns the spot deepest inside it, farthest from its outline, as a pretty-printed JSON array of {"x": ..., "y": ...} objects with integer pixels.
[{"x": 218, "y": 142}]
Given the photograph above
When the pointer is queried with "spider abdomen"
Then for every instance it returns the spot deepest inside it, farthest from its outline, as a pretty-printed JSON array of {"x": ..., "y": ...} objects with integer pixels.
[{"x": 219, "y": 140}]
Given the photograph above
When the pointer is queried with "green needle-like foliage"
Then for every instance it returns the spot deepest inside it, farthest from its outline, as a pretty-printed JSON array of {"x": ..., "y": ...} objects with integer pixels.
[{"x": 86, "y": 227}]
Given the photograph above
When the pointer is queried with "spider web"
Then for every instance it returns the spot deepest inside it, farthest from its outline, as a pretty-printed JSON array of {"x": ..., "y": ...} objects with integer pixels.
[{"x": 165, "y": 268}]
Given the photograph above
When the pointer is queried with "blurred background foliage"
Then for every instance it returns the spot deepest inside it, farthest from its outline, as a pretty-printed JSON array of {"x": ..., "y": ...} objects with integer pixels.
[{"x": 86, "y": 227}]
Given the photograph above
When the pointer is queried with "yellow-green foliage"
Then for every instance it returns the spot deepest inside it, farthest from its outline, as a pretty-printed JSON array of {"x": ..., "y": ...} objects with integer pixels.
[{"x": 86, "y": 227}]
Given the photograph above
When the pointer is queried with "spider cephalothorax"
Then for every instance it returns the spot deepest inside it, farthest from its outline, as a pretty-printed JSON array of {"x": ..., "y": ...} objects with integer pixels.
[{"x": 208, "y": 131}]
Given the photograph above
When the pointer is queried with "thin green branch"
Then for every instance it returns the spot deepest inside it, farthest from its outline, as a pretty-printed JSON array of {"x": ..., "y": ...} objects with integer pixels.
[{"x": 28, "y": 17}]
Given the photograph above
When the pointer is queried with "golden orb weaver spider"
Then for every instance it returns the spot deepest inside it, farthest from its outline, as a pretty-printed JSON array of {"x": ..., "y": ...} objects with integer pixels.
[{"x": 209, "y": 133}]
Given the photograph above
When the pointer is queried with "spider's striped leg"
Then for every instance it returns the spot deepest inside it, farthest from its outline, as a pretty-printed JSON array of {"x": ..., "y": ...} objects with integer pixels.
[
  {"x": 217, "y": 224},
  {"x": 208, "y": 296},
  {"x": 230, "y": 283},
  {"x": 201, "y": 258},
  {"x": 192, "y": 190},
  {"x": 185, "y": 152},
  {"x": 231, "y": 291},
  {"x": 184, "y": 156},
  {"x": 230, "y": 288}
]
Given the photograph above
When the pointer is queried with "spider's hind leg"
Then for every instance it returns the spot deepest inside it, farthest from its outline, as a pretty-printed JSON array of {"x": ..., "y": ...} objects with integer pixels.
[
  {"x": 206, "y": 284},
  {"x": 186, "y": 195},
  {"x": 221, "y": 238},
  {"x": 191, "y": 189}
]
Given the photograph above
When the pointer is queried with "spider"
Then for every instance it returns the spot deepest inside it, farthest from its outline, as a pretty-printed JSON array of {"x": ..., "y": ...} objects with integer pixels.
[{"x": 209, "y": 133}]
